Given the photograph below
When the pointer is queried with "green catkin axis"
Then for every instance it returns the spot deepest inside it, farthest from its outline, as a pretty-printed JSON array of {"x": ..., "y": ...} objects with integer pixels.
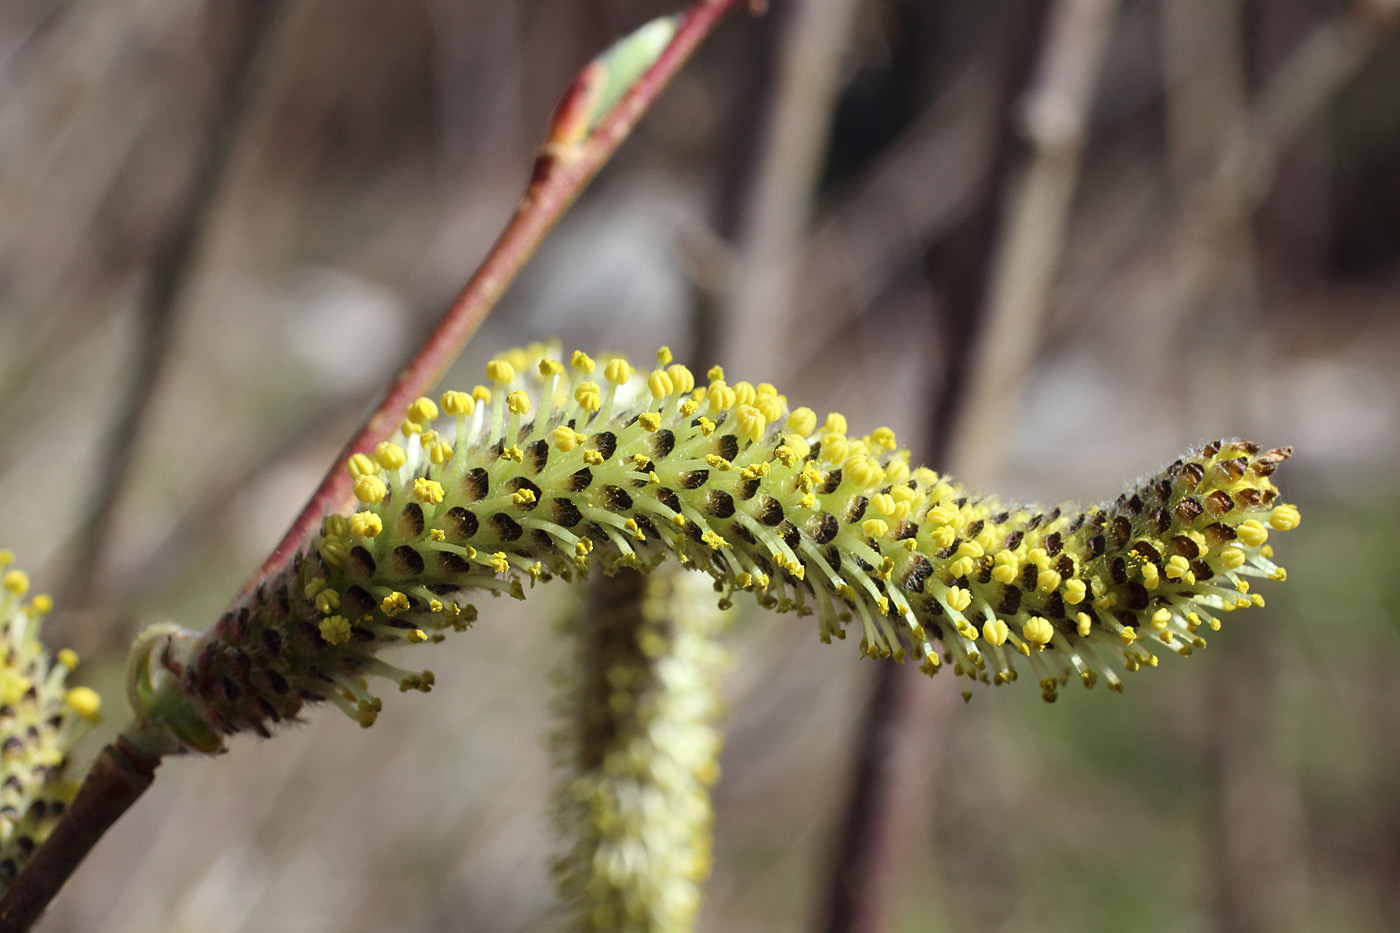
[
  {"x": 41, "y": 718},
  {"x": 555, "y": 470}
]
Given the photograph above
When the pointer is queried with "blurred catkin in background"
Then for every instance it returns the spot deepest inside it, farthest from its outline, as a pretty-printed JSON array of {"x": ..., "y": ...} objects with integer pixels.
[{"x": 1229, "y": 266}]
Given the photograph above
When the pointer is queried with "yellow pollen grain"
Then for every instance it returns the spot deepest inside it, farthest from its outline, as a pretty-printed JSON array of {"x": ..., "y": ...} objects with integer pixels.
[
  {"x": 970, "y": 549},
  {"x": 682, "y": 379},
  {"x": 958, "y": 598},
  {"x": 366, "y": 525},
  {"x": 883, "y": 437},
  {"x": 427, "y": 491},
  {"x": 751, "y": 423},
  {"x": 1252, "y": 532},
  {"x": 864, "y": 471},
  {"x": 440, "y": 452},
  {"x": 1177, "y": 567},
  {"x": 327, "y": 601},
  {"x": 962, "y": 567},
  {"x": 370, "y": 490},
  {"x": 335, "y": 630},
  {"x": 720, "y": 397},
  {"x": 1038, "y": 631},
  {"x": 551, "y": 368},
  {"x": 942, "y": 537},
  {"x": 499, "y": 563},
  {"x": 1161, "y": 619},
  {"x": 500, "y": 371},
  {"x": 755, "y": 471},
  {"x": 16, "y": 582},
  {"x": 334, "y": 550},
  {"x": 834, "y": 448},
  {"x": 1085, "y": 624},
  {"x": 518, "y": 402},
  {"x": 589, "y": 396},
  {"x": 84, "y": 701},
  {"x": 68, "y": 658},
  {"x": 771, "y": 408},
  {"x": 875, "y": 527},
  {"x": 565, "y": 438},
  {"x": 422, "y": 410},
  {"x": 882, "y": 503},
  {"x": 650, "y": 421},
  {"x": 1285, "y": 518},
  {"x": 360, "y": 465},
  {"x": 995, "y": 631},
  {"x": 941, "y": 515},
  {"x": 802, "y": 421},
  {"x": 659, "y": 384},
  {"x": 1232, "y": 557},
  {"x": 1074, "y": 592},
  {"x": 582, "y": 362},
  {"x": 618, "y": 371},
  {"x": 389, "y": 455}
]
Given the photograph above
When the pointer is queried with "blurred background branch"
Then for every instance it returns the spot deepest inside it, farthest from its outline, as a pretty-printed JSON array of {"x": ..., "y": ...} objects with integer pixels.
[
  {"x": 173, "y": 263},
  {"x": 1228, "y": 263}
]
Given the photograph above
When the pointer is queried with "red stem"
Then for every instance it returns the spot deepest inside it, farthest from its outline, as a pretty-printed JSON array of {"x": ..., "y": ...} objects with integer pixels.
[{"x": 560, "y": 174}]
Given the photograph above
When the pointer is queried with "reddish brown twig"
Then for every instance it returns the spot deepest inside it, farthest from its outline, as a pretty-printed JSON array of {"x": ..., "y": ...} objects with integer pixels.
[{"x": 562, "y": 170}]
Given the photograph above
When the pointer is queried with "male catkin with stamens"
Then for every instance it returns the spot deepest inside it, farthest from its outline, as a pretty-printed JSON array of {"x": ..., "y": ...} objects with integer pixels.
[
  {"x": 41, "y": 718},
  {"x": 557, "y": 470}
]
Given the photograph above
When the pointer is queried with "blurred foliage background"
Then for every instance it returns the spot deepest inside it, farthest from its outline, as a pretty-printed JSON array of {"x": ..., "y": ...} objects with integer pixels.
[{"x": 223, "y": 225}]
